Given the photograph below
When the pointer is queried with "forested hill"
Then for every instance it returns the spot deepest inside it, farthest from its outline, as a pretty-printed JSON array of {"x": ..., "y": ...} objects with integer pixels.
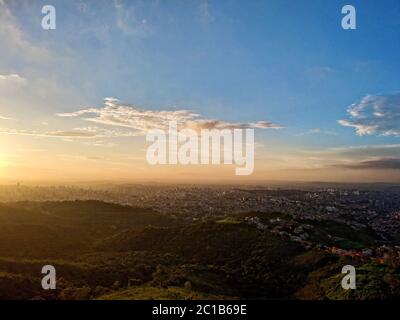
[{"x": 108, "y": 251}]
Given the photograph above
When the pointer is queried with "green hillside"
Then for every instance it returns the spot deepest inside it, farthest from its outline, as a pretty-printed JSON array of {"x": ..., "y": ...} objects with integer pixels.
[{"x": 108, "y": 251}]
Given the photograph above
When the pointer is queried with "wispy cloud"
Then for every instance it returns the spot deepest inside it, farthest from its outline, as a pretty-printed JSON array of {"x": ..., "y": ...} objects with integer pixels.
[
  {"x": 204, "y": 12},
  {"x": 129, "y": 22},
  {"x": 9, "y": 81},
  {"x": 118, "y": 114},
  {"x": 317, "y": 131},
  {"x": 357, "y": 152},
  {"x": 319, "y": 73},
  {"x": 375, "y": 164},
  {"x": 353, "y": 157},
  {"x": 87, "y": 132},
  {"x": 30, "y": 150},
  {"x": 375, "y": 114},
  {"x": 101, "y": 144},
  {"x": 14, "y": 41}
]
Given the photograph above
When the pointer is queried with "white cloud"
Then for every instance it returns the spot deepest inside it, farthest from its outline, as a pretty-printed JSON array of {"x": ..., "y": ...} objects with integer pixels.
[
  {"x": 118, "y": 114},
  {"x": 375, "y": 114}
]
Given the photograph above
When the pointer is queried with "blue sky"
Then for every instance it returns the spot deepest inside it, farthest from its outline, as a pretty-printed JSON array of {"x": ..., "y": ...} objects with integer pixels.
[{"x": 288, "y": 62}]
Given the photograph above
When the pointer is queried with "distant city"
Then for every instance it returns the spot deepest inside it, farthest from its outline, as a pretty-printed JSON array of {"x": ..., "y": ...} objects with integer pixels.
[{"x": 376, "y": 207}]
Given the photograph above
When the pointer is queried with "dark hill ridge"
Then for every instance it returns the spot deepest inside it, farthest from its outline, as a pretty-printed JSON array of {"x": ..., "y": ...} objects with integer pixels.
[
  {"x": 105, "y": 250},
  {"x": 59, "y": 229},
  {"x": 204, "y": 241}
]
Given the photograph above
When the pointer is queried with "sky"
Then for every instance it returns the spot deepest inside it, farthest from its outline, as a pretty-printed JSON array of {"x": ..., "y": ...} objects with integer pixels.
[{"x": 75, "y": 102}]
